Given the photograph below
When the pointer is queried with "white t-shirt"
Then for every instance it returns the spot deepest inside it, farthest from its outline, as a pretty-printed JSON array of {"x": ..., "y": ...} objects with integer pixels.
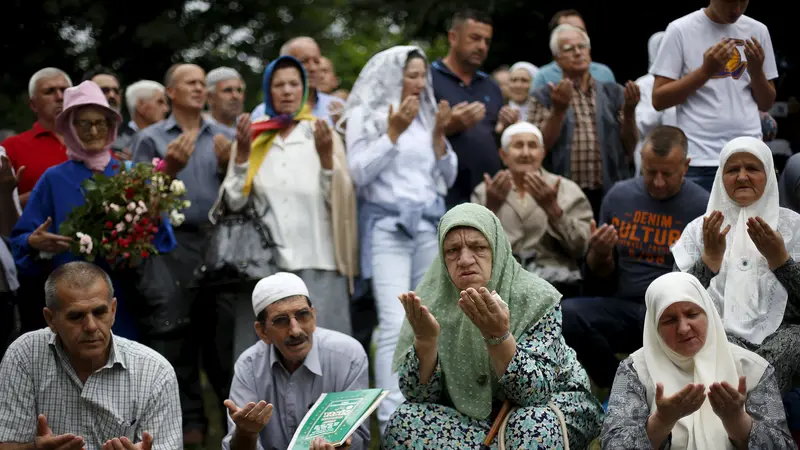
[
  {"x": 16, "y": 191},
  {"x": 724, "y": 108}
]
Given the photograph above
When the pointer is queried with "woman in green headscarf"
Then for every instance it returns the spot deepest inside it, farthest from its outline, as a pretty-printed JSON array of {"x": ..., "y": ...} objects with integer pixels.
[{"x": 479, "y": 330}]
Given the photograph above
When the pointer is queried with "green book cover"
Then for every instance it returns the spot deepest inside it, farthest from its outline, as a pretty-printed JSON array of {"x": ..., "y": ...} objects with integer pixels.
[{"x": 335, "y": 416}]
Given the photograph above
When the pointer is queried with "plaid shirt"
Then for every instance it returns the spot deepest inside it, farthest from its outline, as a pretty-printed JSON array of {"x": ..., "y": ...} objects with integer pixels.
[
  {"x": 135, "y": 391},
  {"x": 586, "y": 163}
]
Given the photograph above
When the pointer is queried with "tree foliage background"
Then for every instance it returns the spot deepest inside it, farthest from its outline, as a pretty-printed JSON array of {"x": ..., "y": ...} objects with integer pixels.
[{"x": 140, "y": 39}]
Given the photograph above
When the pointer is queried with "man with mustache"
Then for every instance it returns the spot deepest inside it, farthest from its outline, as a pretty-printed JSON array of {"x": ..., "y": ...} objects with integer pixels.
[
  {"x": 74, "y": 385},
  {"x": 41, "y": 147},
  {"x": 284, "y": 373}
]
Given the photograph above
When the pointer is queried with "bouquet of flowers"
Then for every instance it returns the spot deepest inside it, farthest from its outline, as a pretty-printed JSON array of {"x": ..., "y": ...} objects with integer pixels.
[{"x": 121, "y": 215}]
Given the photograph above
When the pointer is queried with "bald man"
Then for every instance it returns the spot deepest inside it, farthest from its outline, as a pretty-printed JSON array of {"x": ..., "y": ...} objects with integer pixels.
[
  {"x": 185, "y": 141},
  {"x": 322, "y": 105}
]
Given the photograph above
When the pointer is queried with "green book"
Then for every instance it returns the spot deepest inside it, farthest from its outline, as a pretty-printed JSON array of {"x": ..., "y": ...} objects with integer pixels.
[{"x": 335, "y": 416}]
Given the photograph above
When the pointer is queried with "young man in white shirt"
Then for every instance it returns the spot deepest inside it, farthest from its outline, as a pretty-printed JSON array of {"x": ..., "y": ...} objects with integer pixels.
[{"x": 716, "y": 65}]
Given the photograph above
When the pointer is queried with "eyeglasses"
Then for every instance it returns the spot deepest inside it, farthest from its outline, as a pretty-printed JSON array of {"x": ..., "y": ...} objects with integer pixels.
[
  {"x": 283, "y": 321},
  {"x": 107, "y": 89},
  {"x": 571, "y": 48},
  {"x": 86, "y": 126}
]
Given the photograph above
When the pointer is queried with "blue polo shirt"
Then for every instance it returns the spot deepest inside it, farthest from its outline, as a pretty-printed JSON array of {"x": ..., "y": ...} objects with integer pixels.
[{"x": 477, "y": 147}]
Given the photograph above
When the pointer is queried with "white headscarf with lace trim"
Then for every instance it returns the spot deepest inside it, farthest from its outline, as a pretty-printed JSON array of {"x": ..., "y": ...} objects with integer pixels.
[
  {"x": 379, "y": 85},
  {"x": 749, "y": 297}
]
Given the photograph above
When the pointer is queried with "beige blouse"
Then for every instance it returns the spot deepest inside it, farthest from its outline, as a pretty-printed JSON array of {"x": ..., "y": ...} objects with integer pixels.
[{"x": 555, "y": 245}]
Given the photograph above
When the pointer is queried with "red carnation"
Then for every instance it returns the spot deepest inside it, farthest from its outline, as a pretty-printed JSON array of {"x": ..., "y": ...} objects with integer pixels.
[
  {"x": 154, "y": 230},
  {"x": 114, "y": 234},
  {"x": 145, "y": 254},
  {"x": 144, "y": 221},
  {"x": 105, "y": 241},
  {"x": 129, "y": 193},
  {"x": 109, "y": 224},
  {"x": 126, "y": 255}
]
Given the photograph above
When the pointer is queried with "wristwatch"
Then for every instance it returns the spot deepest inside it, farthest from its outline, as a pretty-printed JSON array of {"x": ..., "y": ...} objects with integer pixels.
[{"x": 497, "y": 340}]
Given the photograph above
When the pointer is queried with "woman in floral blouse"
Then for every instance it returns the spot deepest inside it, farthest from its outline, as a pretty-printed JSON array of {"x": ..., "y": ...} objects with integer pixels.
[
  {"x": 479, "y": 330},
  {"x": 687, "y": 387}
]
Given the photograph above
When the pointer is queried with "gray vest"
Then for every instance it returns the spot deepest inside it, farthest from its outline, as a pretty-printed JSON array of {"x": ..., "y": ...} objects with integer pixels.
[{"x": 616, "y": 165}]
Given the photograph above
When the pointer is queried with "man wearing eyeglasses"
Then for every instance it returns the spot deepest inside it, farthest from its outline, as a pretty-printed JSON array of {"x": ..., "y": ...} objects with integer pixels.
[
  {"x": 278, "y": 379},
  {"x": 588, "y": 126},
  {"x": 110, "y": 85}
]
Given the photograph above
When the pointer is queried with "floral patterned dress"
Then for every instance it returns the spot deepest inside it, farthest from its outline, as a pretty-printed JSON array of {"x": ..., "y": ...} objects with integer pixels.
[{"x": 544, "y": 369}]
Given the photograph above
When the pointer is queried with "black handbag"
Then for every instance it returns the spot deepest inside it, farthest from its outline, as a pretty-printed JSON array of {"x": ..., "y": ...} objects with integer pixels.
[{"x": 240, "y": 247}]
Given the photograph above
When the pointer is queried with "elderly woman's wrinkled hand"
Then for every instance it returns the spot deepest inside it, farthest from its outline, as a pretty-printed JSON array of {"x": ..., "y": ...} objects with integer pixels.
[
  {"x": 425, "y": 326},
  {"x": 244, "y": 135},
  {"x": 486, "y": 310},
  {"x": 321, "y": 444},
  {"x": 44, "y": 241},
  {"x": 714, "y": 240},
  {"x": 728, "y": 401},
  {"x": 669, "y": 410},
  {"x": 769, "y": 242}
]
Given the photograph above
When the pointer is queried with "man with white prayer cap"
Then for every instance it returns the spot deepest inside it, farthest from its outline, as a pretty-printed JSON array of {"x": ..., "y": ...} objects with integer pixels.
[{"x": 278, "y": 379}]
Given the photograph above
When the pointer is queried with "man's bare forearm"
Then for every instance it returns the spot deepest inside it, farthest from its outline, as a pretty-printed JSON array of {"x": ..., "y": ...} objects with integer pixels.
[
  {"x": 242, "y": 441},
  {"x": 763, "y": 91},
  {"x": 668, "y": 93},
  {"x": 601, "y": 266},
  {"x": 629, "y": 134}
]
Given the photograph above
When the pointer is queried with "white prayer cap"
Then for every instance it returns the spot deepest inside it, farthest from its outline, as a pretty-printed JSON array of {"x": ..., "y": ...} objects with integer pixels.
[
  {"x": 277, "y": 287},
  {"x": 517, "y": 128}
]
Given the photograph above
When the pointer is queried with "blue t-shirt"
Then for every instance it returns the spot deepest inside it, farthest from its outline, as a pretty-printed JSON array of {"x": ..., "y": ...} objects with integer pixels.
[
  {"x": 476, "y": 147},
  {"x": 647, "y": 228},
  {"x": 551, "y": 73}
]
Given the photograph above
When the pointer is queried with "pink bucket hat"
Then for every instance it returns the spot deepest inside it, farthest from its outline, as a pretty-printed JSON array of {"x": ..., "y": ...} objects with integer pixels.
[{"x": 84, "y": 94}]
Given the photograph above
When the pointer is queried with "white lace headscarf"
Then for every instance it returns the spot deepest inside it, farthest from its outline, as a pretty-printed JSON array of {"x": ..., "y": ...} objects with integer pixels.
[
  {"x": 749, "y": 297},
  {"x": 379, "y": 85}
]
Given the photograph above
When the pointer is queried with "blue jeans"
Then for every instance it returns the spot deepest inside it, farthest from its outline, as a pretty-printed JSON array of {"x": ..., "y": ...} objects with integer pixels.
[
  {"x": 398, "y": 264},
  {"x": 704, "y": 176}
]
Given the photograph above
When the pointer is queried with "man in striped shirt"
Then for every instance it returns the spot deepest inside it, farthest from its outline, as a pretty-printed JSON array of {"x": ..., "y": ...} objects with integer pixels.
[{"x": 75, "y": 386}]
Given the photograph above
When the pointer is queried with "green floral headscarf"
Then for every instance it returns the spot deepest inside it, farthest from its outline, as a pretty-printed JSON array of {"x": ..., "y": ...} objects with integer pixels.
[{"x": 463, "y": 357}]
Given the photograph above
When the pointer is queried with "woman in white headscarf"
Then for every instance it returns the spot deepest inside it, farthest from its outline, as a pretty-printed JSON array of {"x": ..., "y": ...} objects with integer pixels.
[
  {"x": 688, "y": 387},
  {"x": 402, "y": 165},
  {"x": 743, "y": 250},
  {"x": 520, "y": 80}
]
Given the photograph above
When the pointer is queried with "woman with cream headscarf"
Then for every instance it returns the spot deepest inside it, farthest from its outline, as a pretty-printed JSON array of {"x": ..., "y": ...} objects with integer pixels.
[
  {"x": 402, "y": 165},
  {"x": 88, "y": 126},
  {"x": 520, "y": 80},
  {"x": 744, "y": 251},
  {"x": 547, "y": 217},
  {"x": 296, "y": 171},
  {"x": 688, "y": 387},
  {"x": 481, "y": 330}
]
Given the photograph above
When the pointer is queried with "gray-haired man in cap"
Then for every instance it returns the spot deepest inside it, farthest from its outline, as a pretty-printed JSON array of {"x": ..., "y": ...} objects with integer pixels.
[{"x": 278, "y": 379}]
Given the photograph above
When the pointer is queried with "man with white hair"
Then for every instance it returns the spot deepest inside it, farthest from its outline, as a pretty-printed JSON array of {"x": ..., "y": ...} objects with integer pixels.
[
  {"x": 329, "y": 82},
  {"x": 551, "y": 72},
  {"x": 289, "y": 368},
  {"x": 647, "y": 117},
  {"x": 718, "y": 67},
  {"x": 589, "y": 127},
  {"x": 306, "y": 50},
  {"x": 225, "y": 96},
  {"x": 147, "y": 104},
  {"x": 41, "y": 147}
]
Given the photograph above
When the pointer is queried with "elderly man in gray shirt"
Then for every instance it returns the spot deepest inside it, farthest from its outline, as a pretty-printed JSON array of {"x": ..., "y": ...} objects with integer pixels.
[
  {"x": 183, "y": 321},
  {"x": 278, "y": 379}
]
